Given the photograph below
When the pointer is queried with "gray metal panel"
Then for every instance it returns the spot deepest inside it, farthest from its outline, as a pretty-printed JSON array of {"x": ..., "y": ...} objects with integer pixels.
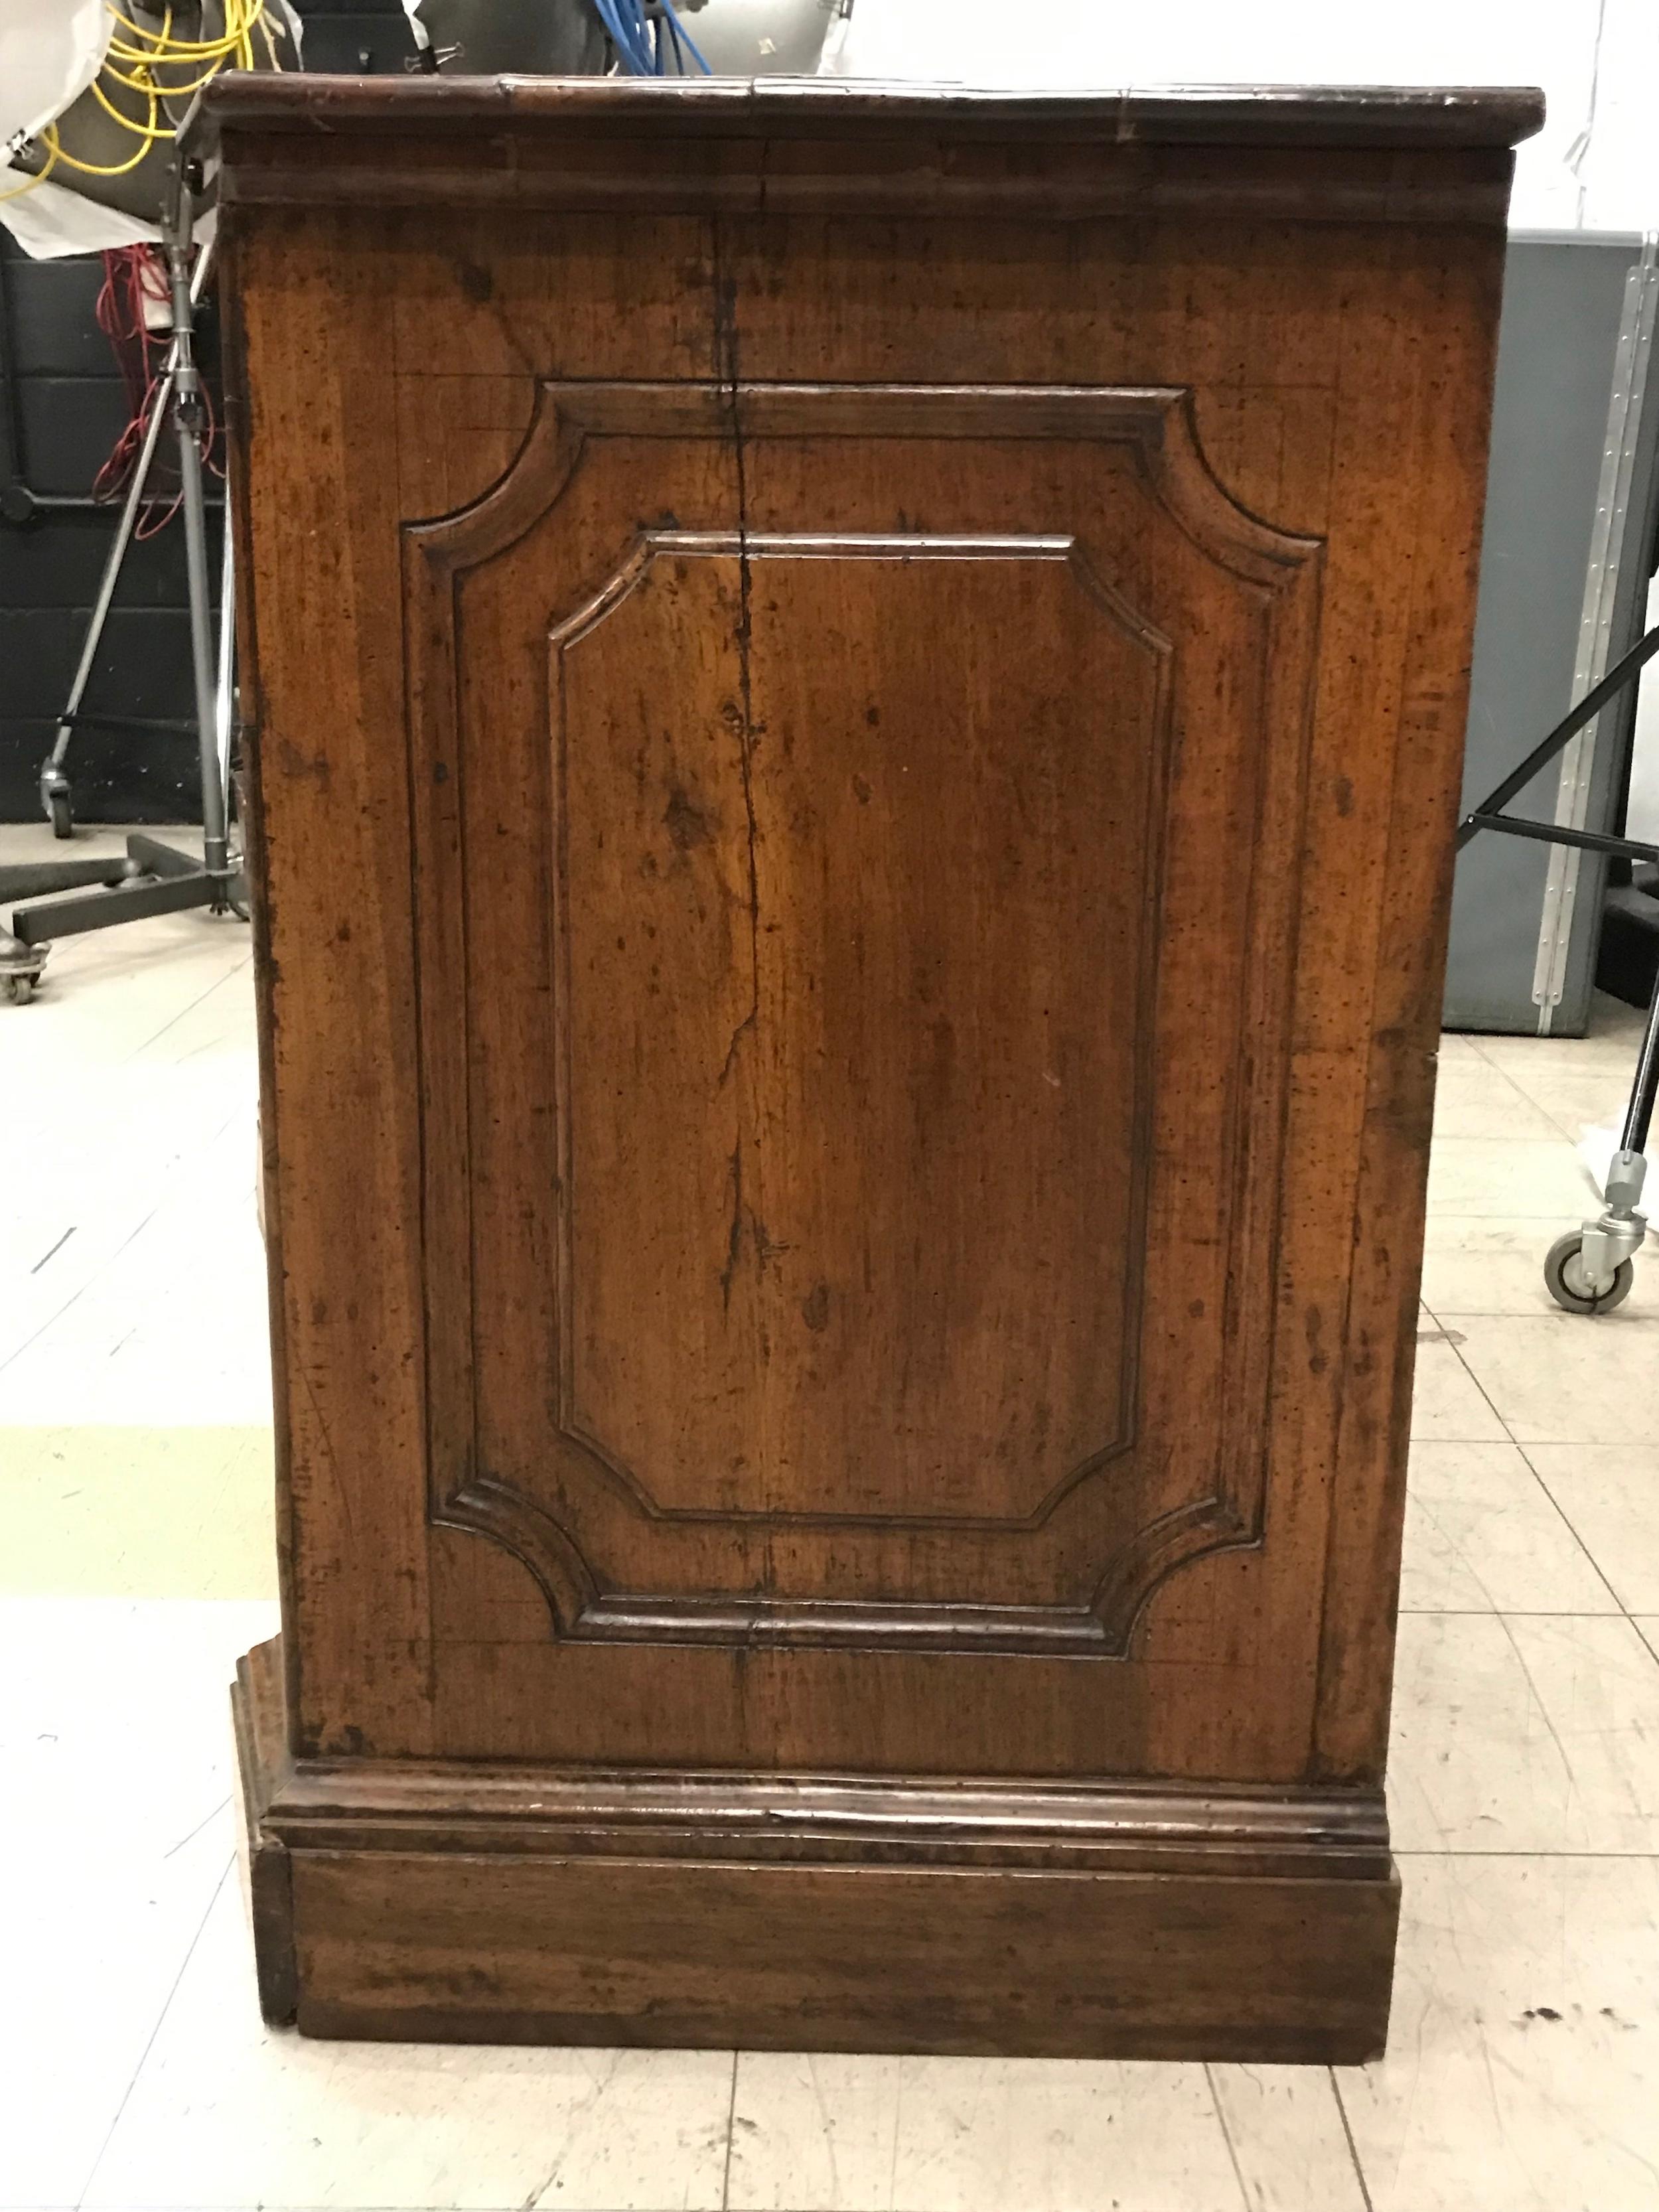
[
  {"x": 1564, "y": 301},
  {"x": 1592, "y": 765},
  {"x": 1615, "y": 726}
]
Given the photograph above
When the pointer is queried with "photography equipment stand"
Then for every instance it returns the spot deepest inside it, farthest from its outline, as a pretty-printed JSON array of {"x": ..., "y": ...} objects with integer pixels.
[
  {"x": 55, "y": 796},
  {"x": 151, "y": 877},
  {"x": 1591, "y": 1269}
]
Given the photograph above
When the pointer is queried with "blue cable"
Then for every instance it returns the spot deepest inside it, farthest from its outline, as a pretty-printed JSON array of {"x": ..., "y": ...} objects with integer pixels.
[
  {"x": 645, "y": 46},
  {"x": 616, "y": 16},
  {"x": 682, "y": 36},
  {"x": 641, "y": 47}
]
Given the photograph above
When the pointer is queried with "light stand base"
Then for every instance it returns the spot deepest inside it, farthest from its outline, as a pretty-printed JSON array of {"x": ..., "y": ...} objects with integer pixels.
[{"x": 149, "y": 877}]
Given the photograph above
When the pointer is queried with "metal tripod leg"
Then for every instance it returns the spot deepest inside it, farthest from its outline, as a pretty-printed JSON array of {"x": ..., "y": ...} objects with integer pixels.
[
  {"x": 224, "y": 688},
  {"x": 224, "y": 704},
  {"x": 54, "y": 783},
  {"x": 188, "y": 417},
  {"x": 55, "y": 798}
]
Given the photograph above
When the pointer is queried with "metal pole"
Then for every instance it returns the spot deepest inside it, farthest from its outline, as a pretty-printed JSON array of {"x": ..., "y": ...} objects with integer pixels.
[
  {"x": 224, "y": 696},
  {"x": 188, "y": 418},
  {"x": 1639, "y": 1116},
  {"x": 1556, "y": 833},
  {"x": 50, "y": 773},
  {"x": 1622, "y": 672}
]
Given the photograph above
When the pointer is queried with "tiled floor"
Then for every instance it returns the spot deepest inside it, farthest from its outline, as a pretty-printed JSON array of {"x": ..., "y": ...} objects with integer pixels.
[{"x": 136, "y": 1545}]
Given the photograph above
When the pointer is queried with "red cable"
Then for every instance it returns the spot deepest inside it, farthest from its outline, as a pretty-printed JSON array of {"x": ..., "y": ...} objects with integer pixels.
[{"x": 132, "y": 275}]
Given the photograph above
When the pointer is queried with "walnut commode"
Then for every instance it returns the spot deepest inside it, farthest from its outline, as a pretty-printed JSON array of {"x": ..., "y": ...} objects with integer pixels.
[{"x": 857, "y": 702}]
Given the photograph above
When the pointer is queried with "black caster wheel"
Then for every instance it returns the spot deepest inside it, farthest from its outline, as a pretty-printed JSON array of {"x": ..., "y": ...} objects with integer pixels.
[
  {"x": 1564, "y": 1277},
  {"x": 59, "y": 815}
]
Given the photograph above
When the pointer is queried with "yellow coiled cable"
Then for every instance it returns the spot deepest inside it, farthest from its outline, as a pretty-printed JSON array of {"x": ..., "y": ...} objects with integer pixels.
[{"x": 233, "y": 47}]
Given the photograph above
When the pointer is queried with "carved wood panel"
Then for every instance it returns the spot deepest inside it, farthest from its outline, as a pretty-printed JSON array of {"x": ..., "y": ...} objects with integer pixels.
[
  {"x": 805, "y": 1024},
  {"x": 856, "y": 1223}
]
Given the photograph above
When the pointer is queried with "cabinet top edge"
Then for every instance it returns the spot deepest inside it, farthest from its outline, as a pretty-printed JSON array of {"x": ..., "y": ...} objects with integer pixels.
[{"x": 817, "y": 107}]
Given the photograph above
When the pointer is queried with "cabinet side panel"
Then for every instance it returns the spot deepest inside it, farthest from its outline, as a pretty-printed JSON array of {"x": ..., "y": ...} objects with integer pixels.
[
  {"x": 320, "y": 479},
  {"x": 1413, "y": 903},
  {"x": 1341, "y": 375},
  {"x": 347, "y": 427}
]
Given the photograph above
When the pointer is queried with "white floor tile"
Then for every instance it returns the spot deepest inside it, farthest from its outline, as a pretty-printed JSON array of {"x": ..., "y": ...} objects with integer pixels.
[
  {"x": 91, "y": 1191},
  {"x": 148, "y": 1306},
  {"x": 1474, "y": 1099},
  {"x": 1483, "y": 1534},
  {"x": 1610, "y": 1493},
  {"x": 1577, "y": 1094},
  {"x": 1615, "y": 1029},
  {"x": 139, "y": 1512},
  {"x": 1524, "y": 1733},
  {"x": 1488, "y": 1264},
  {"x": 106, "y": 996},
  {"x": 1474, "y": 1176},
  {"x": 1446, "y": 1406},
  {"x": 1576, "y": 1082},
  {"x": 1566, "y": 1378},
  {"x": 955, "y": 2135},
  {"x": 1285, "y": 2125},
  {"x": 89, "y": 1967},
  {"x": 106, "y": 1704},
  {"x": 147, "y": 1387},
  {"x": 115, "y": 1770},
  {"x": 131, "y": 1275},
  {"x": 226, "y": 2112},
  {"x": 1522, "y": 2068}
]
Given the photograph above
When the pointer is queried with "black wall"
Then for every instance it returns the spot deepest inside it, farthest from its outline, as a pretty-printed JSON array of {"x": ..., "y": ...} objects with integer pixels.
[
  {"x": 373, "y": 37},
  {"x": 72, "y": 408}
]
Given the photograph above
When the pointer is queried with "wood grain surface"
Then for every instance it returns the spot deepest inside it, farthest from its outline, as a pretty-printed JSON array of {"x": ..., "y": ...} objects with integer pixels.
[{"x": 857, "y": 711}]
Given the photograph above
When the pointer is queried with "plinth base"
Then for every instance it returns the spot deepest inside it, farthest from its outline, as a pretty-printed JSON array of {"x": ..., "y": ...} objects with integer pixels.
[{"x": 421, "y": 1901}]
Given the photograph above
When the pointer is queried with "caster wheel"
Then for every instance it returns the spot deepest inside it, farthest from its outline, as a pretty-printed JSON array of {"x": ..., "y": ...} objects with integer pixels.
[
  {"x": 58, "y": 814},
  {"x": 20, "y": 989},
  {"x": 1565, "y": 1280}
]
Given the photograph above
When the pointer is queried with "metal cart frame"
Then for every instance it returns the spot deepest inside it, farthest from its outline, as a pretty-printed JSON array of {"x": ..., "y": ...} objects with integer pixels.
[{"x": 1591, "y": 1269}]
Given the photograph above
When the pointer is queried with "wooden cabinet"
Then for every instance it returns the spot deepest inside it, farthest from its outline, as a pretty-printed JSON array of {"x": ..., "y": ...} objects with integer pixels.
[{"x": 857, "y": 701}]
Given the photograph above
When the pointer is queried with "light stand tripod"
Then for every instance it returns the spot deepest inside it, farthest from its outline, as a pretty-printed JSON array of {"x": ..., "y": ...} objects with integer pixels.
[
  {"x": 150, "y": 877},
  {"x": 55, "y": 793}
]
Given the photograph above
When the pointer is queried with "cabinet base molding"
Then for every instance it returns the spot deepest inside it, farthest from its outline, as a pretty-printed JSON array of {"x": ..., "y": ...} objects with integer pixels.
[{"x": 410, "y": 1900}]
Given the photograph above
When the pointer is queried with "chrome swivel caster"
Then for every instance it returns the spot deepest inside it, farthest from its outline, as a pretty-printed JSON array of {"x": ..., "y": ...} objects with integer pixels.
[
  {"x": 1591, "y": 1270},
  {"x": 21, "y": 967}
]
